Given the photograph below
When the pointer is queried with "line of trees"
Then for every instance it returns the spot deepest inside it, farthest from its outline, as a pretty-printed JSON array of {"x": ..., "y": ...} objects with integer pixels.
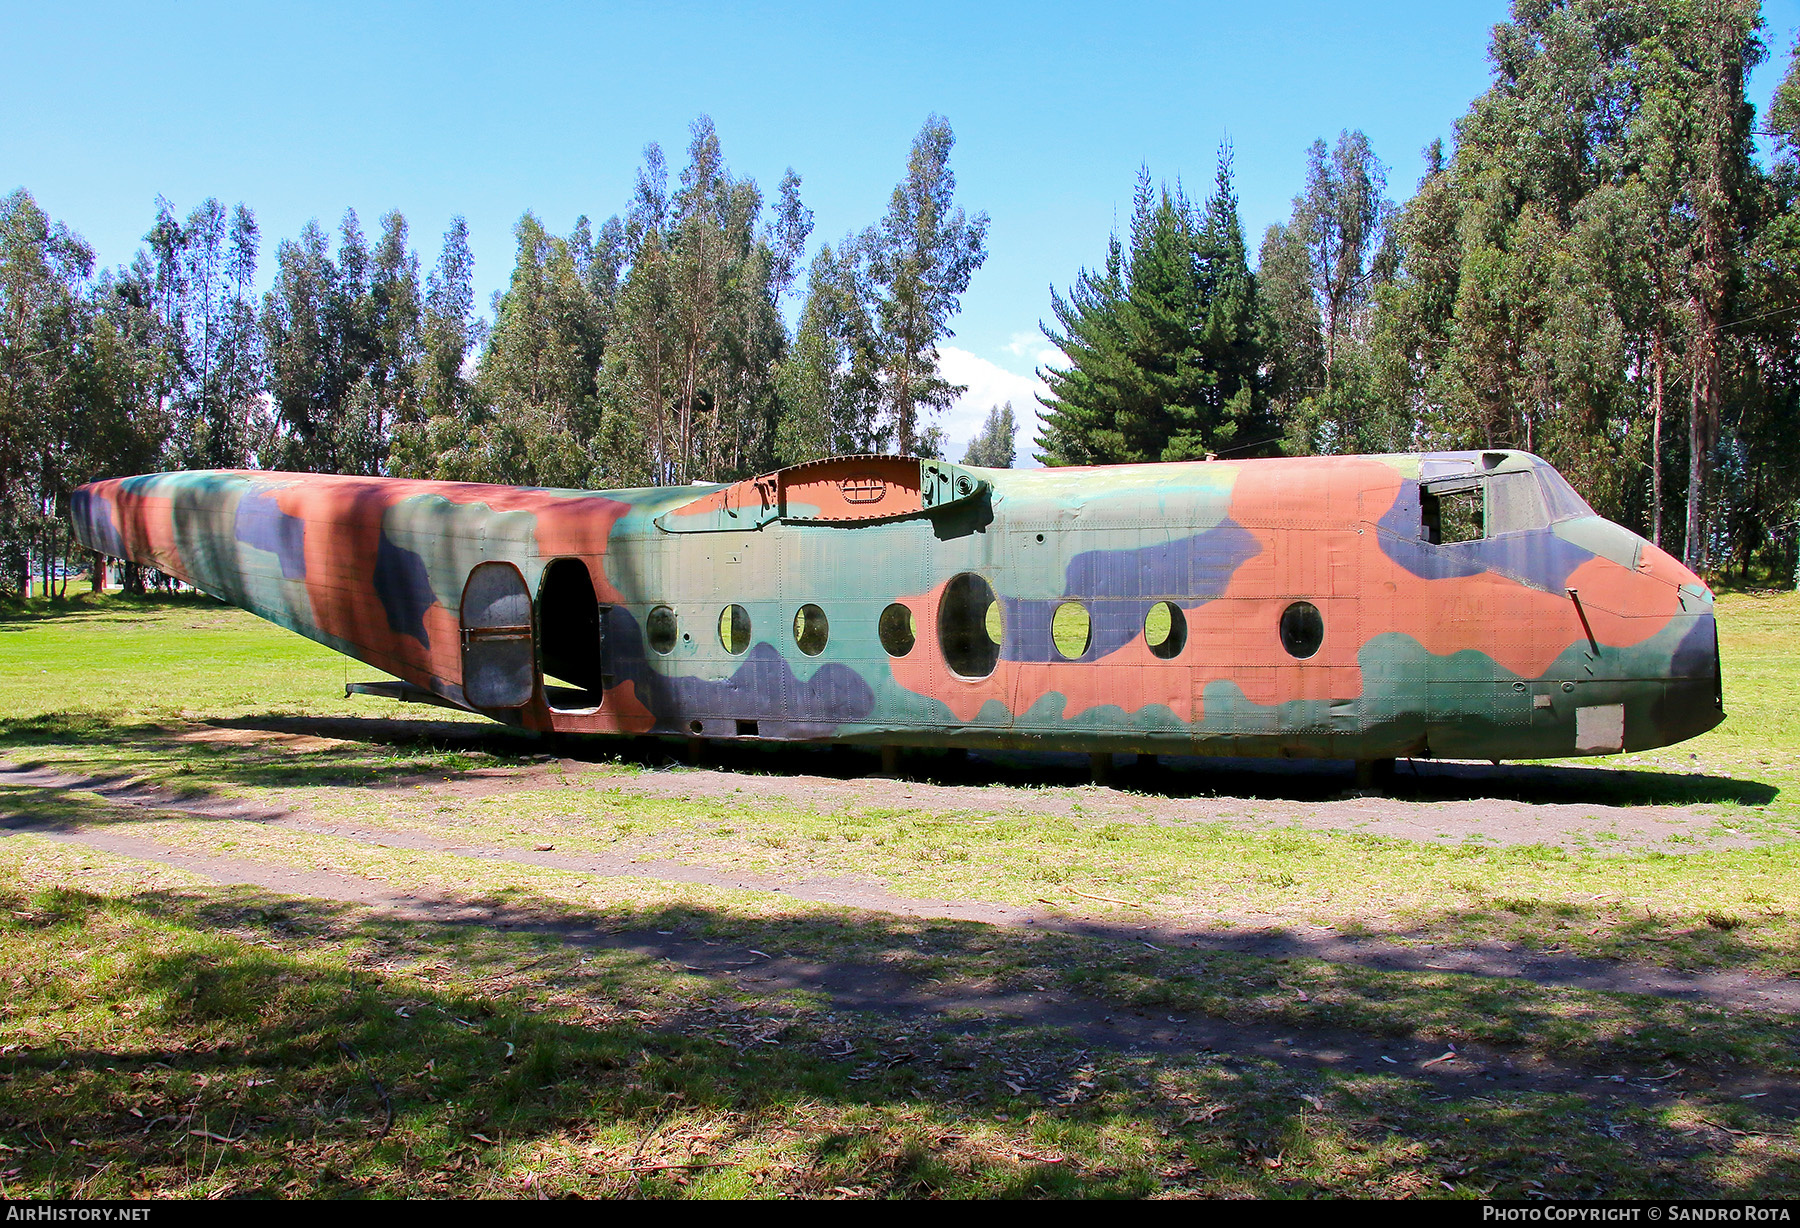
[
  {"x": 652, "y": 349},
  {"x": 1599, "y": 271}
]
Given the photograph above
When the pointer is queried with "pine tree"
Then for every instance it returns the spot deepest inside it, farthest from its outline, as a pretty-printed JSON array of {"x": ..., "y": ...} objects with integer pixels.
[
  {"x": 1162, "y": 346},
  {"x": 1229, "y": 412},
  {"x": 1079, "y": 427}
]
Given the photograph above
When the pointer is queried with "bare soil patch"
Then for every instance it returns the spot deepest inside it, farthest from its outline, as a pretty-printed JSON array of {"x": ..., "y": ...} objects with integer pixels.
[
  {"x": 1494, "y": 820},
  {"x": 1431, "y": 802},
  {"x": 1573, "y": 807},
  {"x": 221, "y": 736}
]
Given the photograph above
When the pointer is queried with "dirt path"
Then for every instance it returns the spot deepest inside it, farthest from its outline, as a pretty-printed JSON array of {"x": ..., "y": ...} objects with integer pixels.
[
  {"x": 1574, "y": 807},
  {"x": 1725, "y": 989},
  {"x": 1444, "y": 806}
]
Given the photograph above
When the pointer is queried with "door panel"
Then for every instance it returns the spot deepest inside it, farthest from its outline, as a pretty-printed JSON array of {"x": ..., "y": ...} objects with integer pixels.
[{"x": 499, "y": 656}]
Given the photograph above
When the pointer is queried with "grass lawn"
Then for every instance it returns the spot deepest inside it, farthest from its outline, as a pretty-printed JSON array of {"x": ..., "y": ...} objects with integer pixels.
[{"x": 647, "y": 1030}]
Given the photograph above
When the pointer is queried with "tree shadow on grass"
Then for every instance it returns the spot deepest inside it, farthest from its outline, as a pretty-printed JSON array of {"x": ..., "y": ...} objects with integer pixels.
[
  {"x": 197, "y": 778},
  {"x": 1665, "y": 952},
  {"x": 84, "y": 606},
  {"x": 258, "y": 1044},
  {"x": 192, "y": 761}
]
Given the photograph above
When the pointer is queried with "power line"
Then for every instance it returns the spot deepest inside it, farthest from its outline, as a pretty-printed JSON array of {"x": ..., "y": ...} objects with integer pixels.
[{"x": 1761, "y": 315}]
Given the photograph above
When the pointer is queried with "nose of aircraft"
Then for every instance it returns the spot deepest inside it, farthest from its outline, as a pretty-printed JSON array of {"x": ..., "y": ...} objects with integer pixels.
[{"x": 1693, "y": 692}]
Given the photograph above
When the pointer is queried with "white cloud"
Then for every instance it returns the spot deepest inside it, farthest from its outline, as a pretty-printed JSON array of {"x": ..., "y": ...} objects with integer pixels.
[
  {"x": 990, "y": 384},
  {"x": 1033, "y": 347}
]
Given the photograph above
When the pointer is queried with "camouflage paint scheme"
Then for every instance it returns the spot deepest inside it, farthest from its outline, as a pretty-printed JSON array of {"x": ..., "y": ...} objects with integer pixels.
[{"x": 1568, "y": 635}]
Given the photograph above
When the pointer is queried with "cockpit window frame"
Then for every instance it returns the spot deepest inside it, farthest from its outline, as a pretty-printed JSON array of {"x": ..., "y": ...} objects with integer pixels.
[
  {"x": 1431, "y": 494},
  {"x": 1520, "y": 506}
]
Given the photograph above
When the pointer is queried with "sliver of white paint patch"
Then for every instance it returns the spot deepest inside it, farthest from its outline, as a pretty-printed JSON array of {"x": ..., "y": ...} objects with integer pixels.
[{"x": 1601, "y": 727}]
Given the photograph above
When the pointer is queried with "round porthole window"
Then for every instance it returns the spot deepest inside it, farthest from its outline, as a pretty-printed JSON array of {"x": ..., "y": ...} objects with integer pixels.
[
  {"x": 811, "y": 630},
  {"x": 1165, "y": 630},
  {"x": 1071, "y": 629},
  {"x": 1302, "y": 629},
  {"x": 661, "y": 629},
  {"x": 734, "y": 629},
  {"x": 970, "y": 626},
  {"x": 899, "y": 630}
]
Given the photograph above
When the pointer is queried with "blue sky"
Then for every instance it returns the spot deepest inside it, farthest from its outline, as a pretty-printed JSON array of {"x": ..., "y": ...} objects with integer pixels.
[{"x": 303, "y": 109}]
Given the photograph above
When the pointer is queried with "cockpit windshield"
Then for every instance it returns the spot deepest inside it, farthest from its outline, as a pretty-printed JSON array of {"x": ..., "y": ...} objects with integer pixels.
[
  {"x": 1564, "y": 502},
  {"x": 1515, "y": 504}
]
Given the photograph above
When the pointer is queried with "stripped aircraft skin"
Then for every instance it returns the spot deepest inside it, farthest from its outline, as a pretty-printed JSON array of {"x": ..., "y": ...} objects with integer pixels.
[{"x": 1308, "y": 607}]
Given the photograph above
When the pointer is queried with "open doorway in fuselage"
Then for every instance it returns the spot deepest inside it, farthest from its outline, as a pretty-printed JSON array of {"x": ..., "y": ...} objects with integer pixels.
[{"x": 571, "y": 637}]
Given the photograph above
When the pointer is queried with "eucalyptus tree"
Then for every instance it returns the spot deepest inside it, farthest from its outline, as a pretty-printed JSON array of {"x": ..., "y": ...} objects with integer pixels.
[
  {"x": 1721, "y": 36},
  {"x": 785, "y": 235},
  {"x": 82, "y": 383},
  {"x": 448, "y": 325},
  {"x": 701, "y": 343},
  {"x": 1574, "y": 266},
  {"x": 387, "y": 390},
  {"x": 200, "y": 275},
  {"x": 343, "y": 344},
  {"x": 43, "y": 270},
  {"x": 1321, "y": 273},
  {"x": 1761, "y": 486},
  {"x": 299, "y": 343},
  {"x": 1410, "y": 333},
  {"x": 922, "y": 256},
  {"x": 829, "y": 386},
  {"x": 993, "y": 445},
  {"x": 721, "y": 301}
]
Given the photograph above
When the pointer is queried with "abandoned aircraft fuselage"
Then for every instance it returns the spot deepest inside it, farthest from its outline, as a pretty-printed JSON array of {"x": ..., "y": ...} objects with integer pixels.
[{"x": 1461, "y": 605}]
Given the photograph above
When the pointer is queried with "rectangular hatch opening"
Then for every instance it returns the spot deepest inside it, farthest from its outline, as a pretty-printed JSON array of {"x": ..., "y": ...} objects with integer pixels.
[{"x": 572, "y": 630}]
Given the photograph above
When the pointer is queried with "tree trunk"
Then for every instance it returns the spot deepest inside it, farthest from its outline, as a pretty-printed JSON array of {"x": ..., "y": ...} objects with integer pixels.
[
  {"x": 1656, "y": 490},
  {"x": 905, "y": 408},
  {"x": 1716, "y": 209},
  {"x": 60, "y": 560},
  {"x": 1703, "y": 401},
  {"x": 1701, "y": 413},
  {"x": 1797, "y": 546}
]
